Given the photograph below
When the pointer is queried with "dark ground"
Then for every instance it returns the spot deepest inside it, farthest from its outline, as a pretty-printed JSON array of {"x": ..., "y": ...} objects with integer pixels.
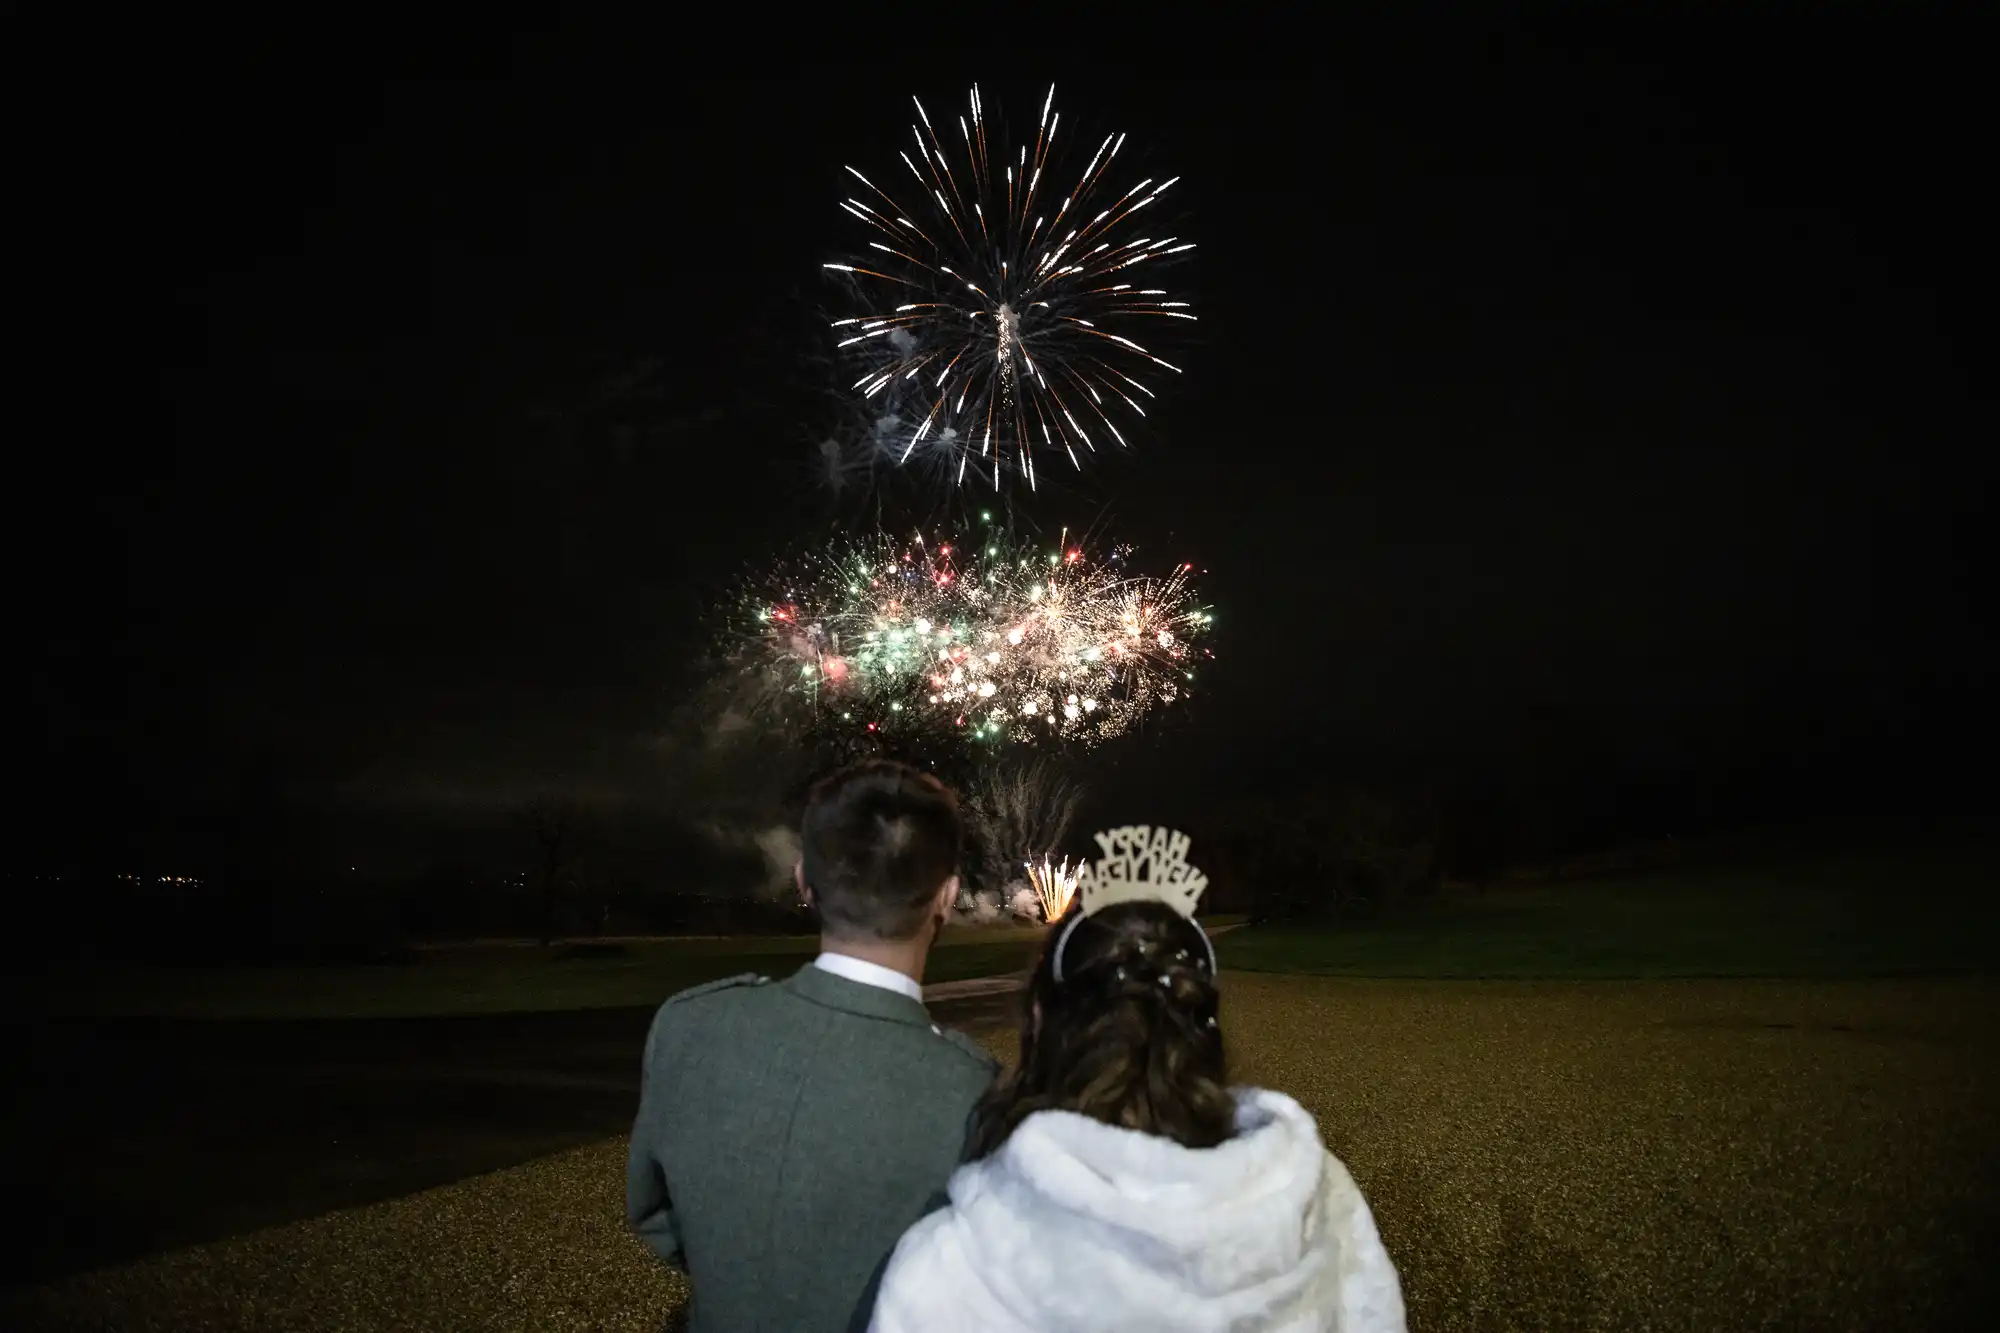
[
  {"x": 130, "y": 1136},
  {"x": 1770, "y": 911},
  {"x": 1540, "y": 1155}
]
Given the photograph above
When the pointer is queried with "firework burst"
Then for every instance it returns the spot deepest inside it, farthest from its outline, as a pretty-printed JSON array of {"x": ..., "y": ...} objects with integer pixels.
[
  {"x": 1055, "y": 885},
  {"x": 1007, "y": 308},
  {"x": 983, "y": 642}
]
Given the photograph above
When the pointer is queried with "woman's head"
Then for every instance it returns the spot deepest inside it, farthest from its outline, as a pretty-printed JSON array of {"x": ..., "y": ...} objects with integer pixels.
[{"x": 1128, "y": 1036}]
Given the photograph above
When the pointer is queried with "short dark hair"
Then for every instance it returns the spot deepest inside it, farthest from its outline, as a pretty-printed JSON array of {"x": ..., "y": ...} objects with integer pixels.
[{"x": 879, "y": 839}]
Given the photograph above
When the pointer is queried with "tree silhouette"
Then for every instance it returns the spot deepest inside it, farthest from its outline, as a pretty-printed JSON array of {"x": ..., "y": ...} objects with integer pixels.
[
  {"x": 555, "y": 824},
  {"x": 1018, "y": 811}
]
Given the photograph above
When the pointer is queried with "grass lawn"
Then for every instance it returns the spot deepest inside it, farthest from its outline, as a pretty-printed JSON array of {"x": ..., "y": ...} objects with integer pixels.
[
  {"x": 496, "y": 977},
  {"x": 1865, "y": 915},
  {"x": 477, "y": 979}
]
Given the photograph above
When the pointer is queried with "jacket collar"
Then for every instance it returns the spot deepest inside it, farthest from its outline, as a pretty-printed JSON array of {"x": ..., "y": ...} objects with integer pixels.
[{"x": 821, "y": 987}]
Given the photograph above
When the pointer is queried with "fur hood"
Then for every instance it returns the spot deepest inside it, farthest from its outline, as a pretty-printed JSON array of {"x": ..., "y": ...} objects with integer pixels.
[{"x": 1083, "y": 1226}]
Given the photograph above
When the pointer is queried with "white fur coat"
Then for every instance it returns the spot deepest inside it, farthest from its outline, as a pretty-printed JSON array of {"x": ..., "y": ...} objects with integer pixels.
[{"x": 1077, "y": 1225}]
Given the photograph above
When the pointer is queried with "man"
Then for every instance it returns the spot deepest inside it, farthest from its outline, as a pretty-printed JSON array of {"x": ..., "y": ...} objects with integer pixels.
[{"x": 788, "y": 1134}]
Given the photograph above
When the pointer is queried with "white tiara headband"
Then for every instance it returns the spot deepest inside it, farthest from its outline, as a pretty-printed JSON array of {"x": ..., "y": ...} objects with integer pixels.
[{"x": 1141, "y": 863}]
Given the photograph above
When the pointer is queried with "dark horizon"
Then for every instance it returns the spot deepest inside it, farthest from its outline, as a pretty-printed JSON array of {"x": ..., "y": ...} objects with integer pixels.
[{"x": 1581, "y": 423}]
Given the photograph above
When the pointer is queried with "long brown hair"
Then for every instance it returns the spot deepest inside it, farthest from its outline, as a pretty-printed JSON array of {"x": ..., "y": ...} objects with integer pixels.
[{"x": 1129, "y": 1036}]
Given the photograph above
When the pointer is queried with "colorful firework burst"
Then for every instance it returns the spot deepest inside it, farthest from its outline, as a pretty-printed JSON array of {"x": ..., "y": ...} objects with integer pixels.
[
  {"x": 986, "y": 641},
  {"x": 1000, "y": 312}
]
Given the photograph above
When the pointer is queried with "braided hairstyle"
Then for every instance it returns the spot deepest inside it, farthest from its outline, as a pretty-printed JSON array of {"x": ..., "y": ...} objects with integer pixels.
[{"x": 1129, "y": 1035}]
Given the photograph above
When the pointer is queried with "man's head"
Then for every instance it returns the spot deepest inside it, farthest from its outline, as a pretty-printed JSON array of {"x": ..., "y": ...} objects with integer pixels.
[{"x": 879, "y": 851}]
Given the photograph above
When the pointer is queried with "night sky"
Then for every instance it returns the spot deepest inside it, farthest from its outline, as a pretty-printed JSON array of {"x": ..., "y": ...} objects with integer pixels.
[{"x": 1586, "y": 411}]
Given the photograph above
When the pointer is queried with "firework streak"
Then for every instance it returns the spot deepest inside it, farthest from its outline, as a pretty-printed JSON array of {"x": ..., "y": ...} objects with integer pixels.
[
  {"x": 1002, "y": 313},
  {"x": 1001, "y": 642}
]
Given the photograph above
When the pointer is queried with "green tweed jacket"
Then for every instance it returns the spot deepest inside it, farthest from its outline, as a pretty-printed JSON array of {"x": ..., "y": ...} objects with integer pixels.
[{"x": 788, "y": 1134}]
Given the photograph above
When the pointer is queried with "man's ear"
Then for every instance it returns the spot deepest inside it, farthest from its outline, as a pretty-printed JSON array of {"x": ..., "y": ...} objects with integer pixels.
[
  {"x": 799, "y": 878},
  {"x": 947, "y": 898}
]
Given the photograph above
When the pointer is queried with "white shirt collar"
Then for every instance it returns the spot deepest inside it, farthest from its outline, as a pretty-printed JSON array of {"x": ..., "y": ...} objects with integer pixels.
[{"x": 869, "y": 974}]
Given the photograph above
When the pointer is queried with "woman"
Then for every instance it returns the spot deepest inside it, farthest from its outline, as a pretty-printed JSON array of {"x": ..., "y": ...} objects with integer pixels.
[{"x": 1115, "y": 1181}]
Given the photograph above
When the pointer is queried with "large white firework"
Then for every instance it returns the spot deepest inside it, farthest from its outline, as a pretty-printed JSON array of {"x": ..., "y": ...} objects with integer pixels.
[{"x": 1005, "y": 313}]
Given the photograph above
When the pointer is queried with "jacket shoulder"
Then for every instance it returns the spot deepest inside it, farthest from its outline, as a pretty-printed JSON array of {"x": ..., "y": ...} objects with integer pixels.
[
  {"x": 972, "y": 1050},
  {"x": 741, "y": 979},
  {"x": 697, "y": 1007}
]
